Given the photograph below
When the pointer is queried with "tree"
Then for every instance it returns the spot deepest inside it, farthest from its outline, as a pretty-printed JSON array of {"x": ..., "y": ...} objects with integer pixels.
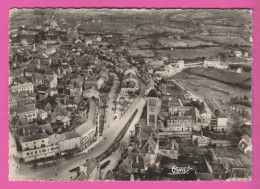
[
  {"x": 114, "y": 109},
  {"x": 222, "y": 56},
  {"x": 245, "y": 98},
  {"x": 121, "y": 110},
  {"x": 37, "y": 39},
  {"x": 114, "y": 103},
  {"x": 123, "y": 147},
  {"x": 42, "y": 34}
]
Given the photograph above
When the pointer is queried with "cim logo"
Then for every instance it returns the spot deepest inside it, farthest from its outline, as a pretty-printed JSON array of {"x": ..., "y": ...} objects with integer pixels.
[{"x": 180, "y": 170}]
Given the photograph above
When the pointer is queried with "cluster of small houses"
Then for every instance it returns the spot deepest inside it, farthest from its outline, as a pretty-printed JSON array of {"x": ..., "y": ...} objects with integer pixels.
[
  {"x": 48, "y": 131},
  {"x": 54, "y": 69},
  {"x": 49, "y": 72},
  {"x": 163, "y": 68},
  {"x": 40, "y": 141},
  {"x": 168, "y": 119},
  {"x": 163, "y": 127}
]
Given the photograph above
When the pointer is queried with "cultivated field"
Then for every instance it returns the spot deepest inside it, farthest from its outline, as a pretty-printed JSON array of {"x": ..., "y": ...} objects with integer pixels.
[{"x": 206, "y": 87}]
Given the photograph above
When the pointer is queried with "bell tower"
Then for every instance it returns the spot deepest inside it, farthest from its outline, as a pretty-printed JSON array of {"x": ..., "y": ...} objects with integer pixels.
[{"x": 153, "y": 108}]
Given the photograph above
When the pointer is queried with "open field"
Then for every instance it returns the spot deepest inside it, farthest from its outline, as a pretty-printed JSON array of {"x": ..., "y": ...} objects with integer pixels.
[
  {"x": 206, "y": 87},
  {"x": 227, "y": 39},
  {"x": 225, "y": 76}
]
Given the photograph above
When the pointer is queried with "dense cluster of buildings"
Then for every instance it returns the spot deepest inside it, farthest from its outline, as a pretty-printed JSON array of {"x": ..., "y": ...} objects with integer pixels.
[
  {"x": 170, "y": 135},
  {"x": 57, "y": 76},
  {"x": 59, "y": 81}
]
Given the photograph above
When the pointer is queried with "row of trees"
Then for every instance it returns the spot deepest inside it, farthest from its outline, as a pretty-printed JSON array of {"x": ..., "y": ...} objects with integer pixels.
[{"x": 242, "y": 100}]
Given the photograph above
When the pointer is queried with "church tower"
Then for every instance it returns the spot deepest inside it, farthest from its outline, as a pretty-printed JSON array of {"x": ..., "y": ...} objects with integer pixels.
[{"x": 153, "y": 108}]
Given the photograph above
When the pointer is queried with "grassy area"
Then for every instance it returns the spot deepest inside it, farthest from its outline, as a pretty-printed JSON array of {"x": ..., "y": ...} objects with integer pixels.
[
  {"x": 230, "y": 40},
  {"x": 206, "y": 87},
  {"x": 224, "y": 76}
]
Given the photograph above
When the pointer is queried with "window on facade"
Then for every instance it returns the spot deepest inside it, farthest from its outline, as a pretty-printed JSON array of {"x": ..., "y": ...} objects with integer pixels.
[
  {"x": 28, "y": 154},
  {"x": 44, "y": 150},
  {"x": 35, "y": 152},
  {"x": 151, "y": 118},
  {"x": 152, "y": 102},
  {"x": 31, "y": 153},
  {"x": 42, "y": 140},
  {"x": 43, "y": 145}
]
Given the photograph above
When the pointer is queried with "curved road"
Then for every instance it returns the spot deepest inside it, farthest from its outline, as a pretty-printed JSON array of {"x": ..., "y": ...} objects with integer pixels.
[{"x": 63, "y": 165}]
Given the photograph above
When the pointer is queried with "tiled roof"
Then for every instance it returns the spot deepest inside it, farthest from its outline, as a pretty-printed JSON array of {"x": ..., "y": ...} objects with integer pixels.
[
  {"x": 24, "y": 109},
  {"x": 179, "y": 118},
  {"x": 29, "y": 138},
  {"x": 21, "y": 86},
  {"x": 239, "y": 173},
  {"x": 152, "y": 93},
  {"x": 247, "y": 138},
  {"x": 138, "y": 162},
  {"x": 193, "y": 112},
  {"x": 46, "y": 127},
  {"x": 222, "y": 115},
  {"x": 89, "y": 124},
  {"x": 145, "y": 131},
  {"x": 71, "y": 134},
  {"x": 16, "y": 72},
  {"x": 91, "y": 164},
  {"x": 55, "y": 138}
]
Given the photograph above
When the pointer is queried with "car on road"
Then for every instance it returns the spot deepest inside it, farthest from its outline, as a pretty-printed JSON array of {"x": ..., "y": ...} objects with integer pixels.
[{"x": 39, "y": 164}]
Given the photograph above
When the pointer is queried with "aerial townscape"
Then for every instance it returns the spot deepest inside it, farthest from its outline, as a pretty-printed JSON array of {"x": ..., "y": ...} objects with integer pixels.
[{"x": 130, "y": 95}]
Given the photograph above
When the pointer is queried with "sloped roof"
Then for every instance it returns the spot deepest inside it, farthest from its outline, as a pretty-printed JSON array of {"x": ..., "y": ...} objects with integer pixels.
[
  {"x": 31, "y": 127},
  {"x": 46, "y": 127},
  {"x": 138, "y": 162},
  {"x": 24, "y": 109},
  {"x": 145, "y": 131},
  {"x": 91, "y": 164},
  {"x": 110, "y": 175},
  {"x": 56, "y": 138},
  {"x": 89, "y": 124},
  {"x": 247, "y": 138},
  {"x": 47, "y": 107},
  {"x": 152, "y": 93},
  {"x": 222, "y": 115},
  {"x": 193, "y": 112},
  {"x": 82, "y": 177},
  {"x": 239, "y": 173},
  {"x": 16, "y": 72},
  {"x": 29, "y": 138},
  {"x": 71, "y": 134},
  {"x": 21, "y": 86}
]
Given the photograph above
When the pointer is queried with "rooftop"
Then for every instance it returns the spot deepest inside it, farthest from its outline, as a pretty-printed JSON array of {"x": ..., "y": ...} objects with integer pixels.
[
  {"x": 27, "y": 84},
  {"x": 152, "y": 93},
  {"x": 24, "y": 109},
  {"x": 29, "y": 138}
]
